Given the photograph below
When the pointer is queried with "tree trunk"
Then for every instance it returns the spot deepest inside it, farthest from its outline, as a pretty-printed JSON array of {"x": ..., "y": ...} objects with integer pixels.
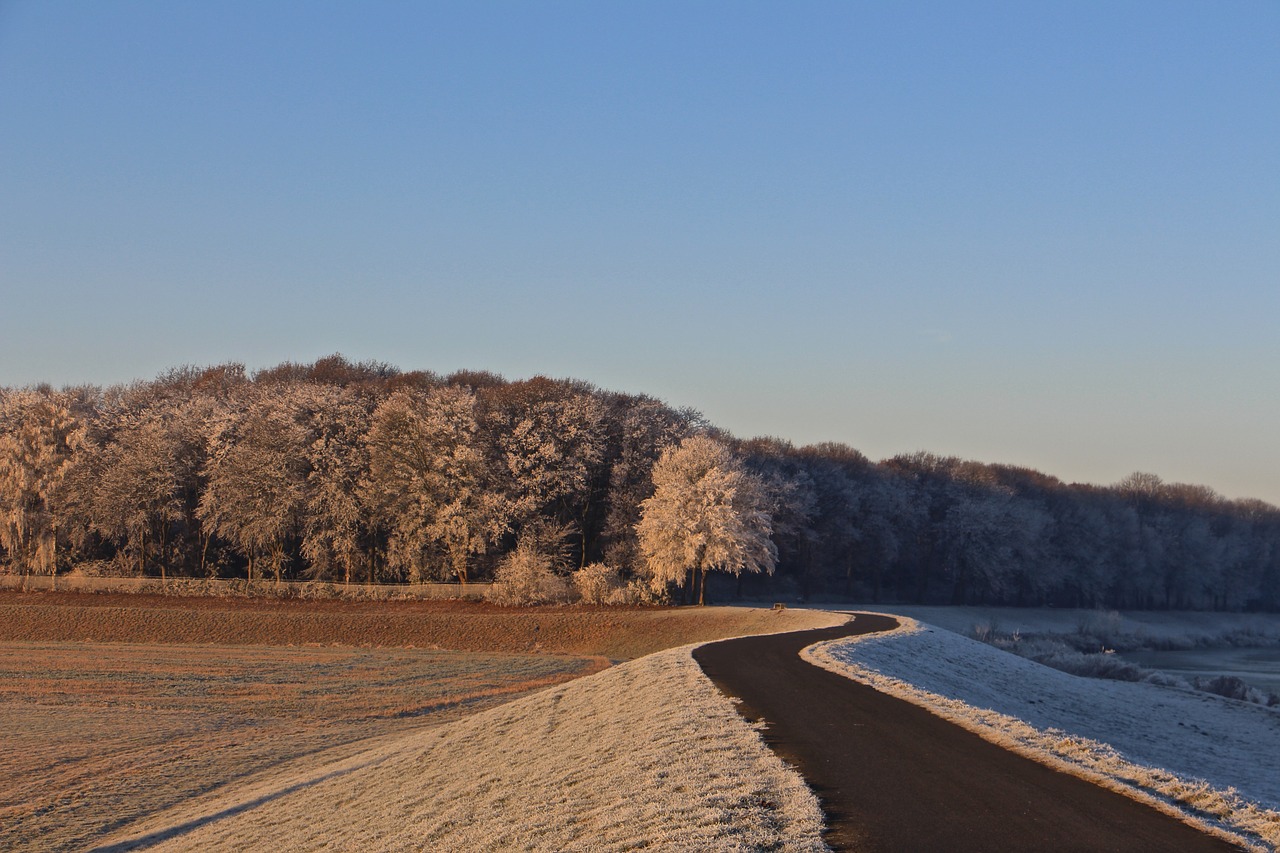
[
  {"x": 582, "y": 531},
  {"x": 164, "y": 552},
  {"x": 204, "y": 553},
  {"x": 53, "y": 566}
]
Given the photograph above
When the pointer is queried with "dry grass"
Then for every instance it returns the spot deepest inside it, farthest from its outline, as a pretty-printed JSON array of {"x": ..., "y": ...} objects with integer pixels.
[
  {"x": 645, "y": 754},
  {"x": 98, "y": 737}
]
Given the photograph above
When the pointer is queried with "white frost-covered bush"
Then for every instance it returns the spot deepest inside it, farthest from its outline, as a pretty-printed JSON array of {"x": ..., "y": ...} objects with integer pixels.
[
  {"x": 636, "y": 591},
  {"x": 1102, "y": 628},
  {"x": 596, "y": 583},
  {"x": 526, "y": 577},
  {"x": 1234, "y": 688}
]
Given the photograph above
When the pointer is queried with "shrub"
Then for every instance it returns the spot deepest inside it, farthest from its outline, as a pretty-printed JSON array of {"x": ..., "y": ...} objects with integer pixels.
[
  {"x": 596, "y": 583},
  {"x": 636, "y": 591},
  {"x": 1064, "y": 654},
  {"x": 1095, "y": 665},
  {"x": 1102, "y": 624},
  {"x": 985, "y": 631},
  {"x": 93, "y": 569},
  {"x": 1224, "y": 685},
  {"x": 525, "y": 577},
  {"x": 1233, "y": 688}
]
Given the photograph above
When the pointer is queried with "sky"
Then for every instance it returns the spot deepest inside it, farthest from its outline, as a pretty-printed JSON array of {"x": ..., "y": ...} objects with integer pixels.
[{"x": 1043, "y": 234}]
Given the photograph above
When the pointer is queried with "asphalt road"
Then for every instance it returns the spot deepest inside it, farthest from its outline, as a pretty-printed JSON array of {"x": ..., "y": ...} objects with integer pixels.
[{"x": 893, "y": 777}]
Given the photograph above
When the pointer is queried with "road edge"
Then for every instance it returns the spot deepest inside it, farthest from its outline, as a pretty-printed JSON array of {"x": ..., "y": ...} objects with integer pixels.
[{"x": 1023, "y": 739}]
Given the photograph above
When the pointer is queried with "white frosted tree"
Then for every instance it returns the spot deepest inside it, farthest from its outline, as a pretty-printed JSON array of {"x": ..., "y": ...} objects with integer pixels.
[
  {"x": 791, "y": 500},
  {"x": 335, "y": 521},
  {"x": 552, "y": 442},
  {"x": 137, "y": 491},
  {"x": 430, "y": 481},
  {"x": 645, "y": 427},
  {"x": 39, "y": 435},
  {"x": 255, "y": 483},
  {"x": 707, "y": 513},
  {"x": 986, "y": 539}
]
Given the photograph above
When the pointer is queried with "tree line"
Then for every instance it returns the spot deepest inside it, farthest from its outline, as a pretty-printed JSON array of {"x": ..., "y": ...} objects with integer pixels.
[{"x": 360, "y": 472}]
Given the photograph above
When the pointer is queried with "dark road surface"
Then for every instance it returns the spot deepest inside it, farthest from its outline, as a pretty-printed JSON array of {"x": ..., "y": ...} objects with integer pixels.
[{"x": 893, "y": 777}]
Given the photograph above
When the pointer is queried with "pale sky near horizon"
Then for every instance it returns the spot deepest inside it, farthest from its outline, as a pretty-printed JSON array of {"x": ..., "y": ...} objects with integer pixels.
[{"x": 1046, "y": 234}]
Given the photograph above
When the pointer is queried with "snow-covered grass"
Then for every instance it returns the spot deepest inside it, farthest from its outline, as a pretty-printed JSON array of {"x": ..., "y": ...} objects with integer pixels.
[
  {"x": 1148, "y": 629},
  {"x": 1236, "y": 655},
  {"x": 646, "y": 753},
  {"x": 1212, "y": 760}
]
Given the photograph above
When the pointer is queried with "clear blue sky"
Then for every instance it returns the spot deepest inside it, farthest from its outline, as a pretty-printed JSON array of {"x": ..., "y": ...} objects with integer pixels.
[{"x": 1043, "y": 233}]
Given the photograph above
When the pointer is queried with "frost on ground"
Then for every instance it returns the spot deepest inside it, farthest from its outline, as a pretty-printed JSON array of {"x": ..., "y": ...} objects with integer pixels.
[
  {"x": 1212, "y": 759},
  {"x": 646, "y": 753},
  {"x": 96, "y": 735},
  {"x": 1160, "y": 629}
]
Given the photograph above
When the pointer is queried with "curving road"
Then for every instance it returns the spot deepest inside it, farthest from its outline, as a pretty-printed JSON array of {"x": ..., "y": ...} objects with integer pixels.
[{"x": 893, "y": 777}]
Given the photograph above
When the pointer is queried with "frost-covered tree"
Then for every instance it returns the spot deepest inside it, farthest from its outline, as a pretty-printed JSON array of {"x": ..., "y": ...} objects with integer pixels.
[
  {"x": 255, "y": 482},
  {"x": 177, "y": 474},
  {"x": 1078, "y": 545},
  {"x": 986, "y": 541},
  {"x": 551, "y": 438},
  {"x": 707, "y": 513},
  {"x": 430, "y": 481},
  {"x": 852, "y": 538},
  {"x": 643, "y": 428},
  {"x": 137, "y": 485},
  {"x": 336, "y": 521},
  {"x": 39, "y": 435},
  {"x": 923, "y": 482},
  {"x": 791, "y": 500}
]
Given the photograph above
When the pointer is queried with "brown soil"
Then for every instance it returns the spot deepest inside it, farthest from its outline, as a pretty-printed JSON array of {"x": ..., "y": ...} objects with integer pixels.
[{"x": 617, "y": 633}]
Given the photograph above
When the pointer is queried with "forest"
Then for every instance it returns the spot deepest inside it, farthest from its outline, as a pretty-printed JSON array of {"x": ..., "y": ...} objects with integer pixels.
[{"x": 346, "y": 472}]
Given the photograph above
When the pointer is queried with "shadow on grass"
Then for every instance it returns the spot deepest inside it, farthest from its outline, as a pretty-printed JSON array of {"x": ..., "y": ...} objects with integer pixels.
[{"x": 170, "y": 833}]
